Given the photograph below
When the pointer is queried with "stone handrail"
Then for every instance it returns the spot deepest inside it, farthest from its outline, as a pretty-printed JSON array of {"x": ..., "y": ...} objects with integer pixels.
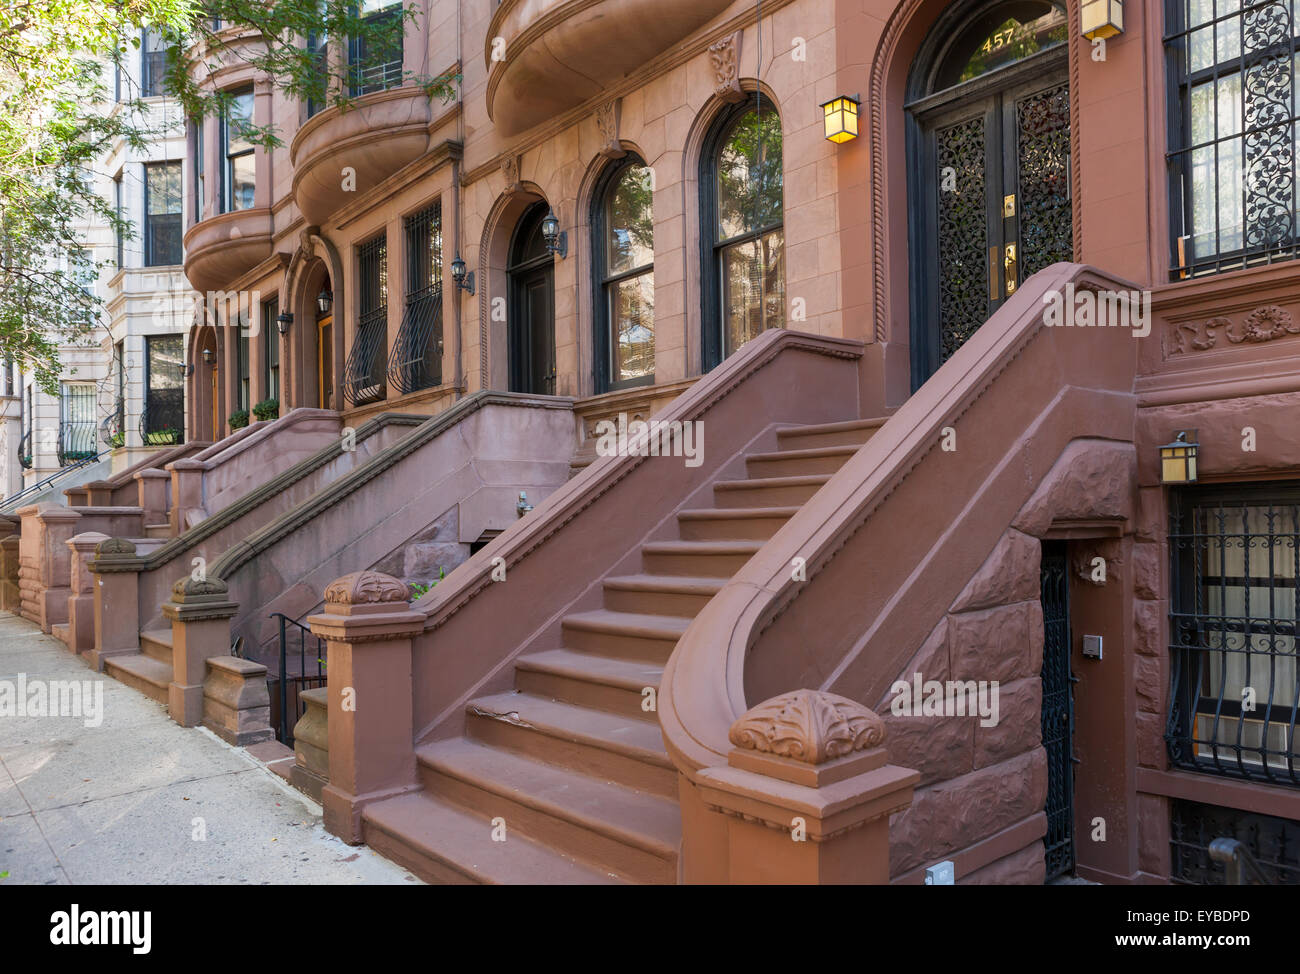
[
  {"x": 123, "y": 482},
  {"x": 732, "y": 656},
  {"x": 551, "y": 561}
]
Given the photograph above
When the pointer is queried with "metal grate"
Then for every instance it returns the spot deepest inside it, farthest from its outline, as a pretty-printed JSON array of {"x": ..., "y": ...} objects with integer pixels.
[
  {"x": 1232, "y": 160},
  {"x": 1236, "y": 587},
  {"x": 363, "y": 373},
  {"x": 1274, "y": 843},
  {"x": 308, "y": 674},
  {"x": 1058, "y": 710},
  {"x": 77, "y": 426},
  {"x": 416, "y": 359}
]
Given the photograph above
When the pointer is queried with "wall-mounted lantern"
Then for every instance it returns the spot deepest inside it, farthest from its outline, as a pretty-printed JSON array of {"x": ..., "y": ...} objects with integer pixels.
[
  {"x": 325, "y": 301},
  {"x": 557, "y": 240},
  {"x": 523, "y": 507},
  {"x": 186, "y": 370},
  {"x": 208, "y": 356},
  {"x": 283, "y": 322},
  {"x": 1099, "y": 19},
  {"x": 841, "y": 118},
  {"x": 1178, "y": 459},
  {"x": 460, "y": 276}
]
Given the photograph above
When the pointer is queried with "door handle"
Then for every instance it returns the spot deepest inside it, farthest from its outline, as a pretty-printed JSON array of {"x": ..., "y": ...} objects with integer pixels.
[{"x": 1009, "y": 268}]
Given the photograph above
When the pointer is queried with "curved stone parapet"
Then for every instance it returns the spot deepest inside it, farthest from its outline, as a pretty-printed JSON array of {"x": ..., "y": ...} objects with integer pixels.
[
  {"x": 560, "y": 53},
  {"x": 222, "y": 248}
]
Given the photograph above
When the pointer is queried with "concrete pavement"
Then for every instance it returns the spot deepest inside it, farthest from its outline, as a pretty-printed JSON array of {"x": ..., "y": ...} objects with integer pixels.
[{"x": 138, "y": 799}]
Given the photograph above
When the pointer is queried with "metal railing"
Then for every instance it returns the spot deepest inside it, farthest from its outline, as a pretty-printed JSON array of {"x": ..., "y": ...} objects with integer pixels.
[
  {"x": 416, "y": 359},
  {"x": 112, "y": 428},
  {"x": 1239, "y": 866},
  {"x": 162, "y": 420},
  {"x": 11, "y": 504},
  {"x": 364, "y": 370},
  {"x": 309, "y": 676},
  {"x": 76, "y": 440},
  {"x": 25, "y": 450}
]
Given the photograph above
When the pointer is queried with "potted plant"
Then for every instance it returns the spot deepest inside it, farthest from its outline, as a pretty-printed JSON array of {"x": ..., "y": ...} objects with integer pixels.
[
  {"x": 117, "y": 440},
  {"x": 267, "y": 409},
  {"x": 238, "y": 419},
  {"x": 166, "y": 436}
]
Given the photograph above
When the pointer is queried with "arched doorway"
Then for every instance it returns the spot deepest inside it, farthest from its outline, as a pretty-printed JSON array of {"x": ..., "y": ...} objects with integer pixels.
[
  {"x": 989, "y": 166},
  {"x": 531, "y": 275}
]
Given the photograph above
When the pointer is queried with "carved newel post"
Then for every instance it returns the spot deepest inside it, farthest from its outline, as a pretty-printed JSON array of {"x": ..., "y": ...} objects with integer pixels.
[
  {"x": 200, "y": 612},
  {"x": 369, "y": 626},
  {"x": 807, "y": 792}
]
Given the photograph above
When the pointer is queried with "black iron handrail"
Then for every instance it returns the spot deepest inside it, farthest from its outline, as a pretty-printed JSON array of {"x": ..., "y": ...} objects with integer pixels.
[
  {"x": 11, "y": 504},
  {"x": 1239, "y": 866},
  {"x": 303, "y": 679}
]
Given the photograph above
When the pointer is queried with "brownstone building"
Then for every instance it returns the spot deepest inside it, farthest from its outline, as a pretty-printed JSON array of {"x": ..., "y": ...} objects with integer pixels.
[{"x": 934, "y": 362}]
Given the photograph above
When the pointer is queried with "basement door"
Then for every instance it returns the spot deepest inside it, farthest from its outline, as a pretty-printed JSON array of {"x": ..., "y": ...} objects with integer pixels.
[
  {"x": 1058, "y": 710},
  {"x": 989, "y": 199}
]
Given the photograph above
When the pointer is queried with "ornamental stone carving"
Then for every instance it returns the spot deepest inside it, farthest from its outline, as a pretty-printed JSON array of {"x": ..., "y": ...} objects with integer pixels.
[
  {"x": 190, "y": 588},
  {"x": 510, "y": 169},
  {"x": 809, "y": 726},
  {"x": 608, "y": 117},
  {"x": 724, "y": 58},
  {"x": 367, "y": 587},
  {"x": 115, "y": 546},
  {"x": 1261, "y": 325}
]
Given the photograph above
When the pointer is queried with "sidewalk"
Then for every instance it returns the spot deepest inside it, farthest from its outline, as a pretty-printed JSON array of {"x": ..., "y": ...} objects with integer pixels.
[{"x": 138, "y": 799}]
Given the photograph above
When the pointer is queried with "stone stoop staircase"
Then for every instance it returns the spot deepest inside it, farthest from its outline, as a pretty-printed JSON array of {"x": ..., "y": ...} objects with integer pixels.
[
  {"x": 570, "y": 760},
  {"x": 151, "y": 670}
]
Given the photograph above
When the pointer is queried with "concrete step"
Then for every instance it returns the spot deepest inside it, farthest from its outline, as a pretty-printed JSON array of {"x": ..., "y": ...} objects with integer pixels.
[
  {"x": 613, "y": 747},
  {"x": 163, "y": 530},
  {"x": 852, "y": 432},
  {"x": 602, "y": 682},
  {"x": 626, "y": 635},
  {"x": 632, "y": 834},
  {"x": 60, "y": 632},
  {"x": 157, "y": 643},
  {"x": 714, "y": 559},
  {"x": 150, "y": 676},
  {"x": 799, "y": 463},
  {"x": 444, "y": 843},
  {"x": 733, "y": 523},
  {"x": 768, "y": 491},
  {"x": 670, "y": 595}
]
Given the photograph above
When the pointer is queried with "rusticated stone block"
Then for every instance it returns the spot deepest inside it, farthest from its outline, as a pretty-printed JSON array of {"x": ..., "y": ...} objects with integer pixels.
[
  {"x": 1151, "y": 679},
  {"x": 1148, "y": 570},
  {"x": 993, "y": 644},
  {"x": 1149, "y": 627},
  {"x": 1153, "y": 518},
  {"x": 236, "y": 703},
  {"x": 1151, "y": 750},
  {"x": 1035, "y": 623},
  {"x": 1019, "y": 727},
  {"x": 938, "y": 747},
  {"x": 931, "y": 661},
  {"x": 1153, "y": 834},
  {"x": 1024, "y": 868},
  {"x": 954, "y": 814},
  {"x": 1090, "y": 481},
  {"x": 1009, "y": 575}
]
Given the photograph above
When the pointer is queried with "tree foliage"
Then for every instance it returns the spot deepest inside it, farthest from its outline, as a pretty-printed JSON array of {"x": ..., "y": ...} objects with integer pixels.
[{"x": 61, "y": 119}]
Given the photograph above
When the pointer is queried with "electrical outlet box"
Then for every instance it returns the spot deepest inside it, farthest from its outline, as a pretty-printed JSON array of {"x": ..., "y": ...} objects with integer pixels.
[
  {"x": 941, "y": 874},
  {"x": 1092, "y": 647}
]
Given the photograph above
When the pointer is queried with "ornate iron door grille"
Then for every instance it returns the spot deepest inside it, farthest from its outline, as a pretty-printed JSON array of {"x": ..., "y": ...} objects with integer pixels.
[
  {"x": 1058, "y": 710},
  {"x": 996, "y": 208},
  {"x": 1274, "y": 842}
]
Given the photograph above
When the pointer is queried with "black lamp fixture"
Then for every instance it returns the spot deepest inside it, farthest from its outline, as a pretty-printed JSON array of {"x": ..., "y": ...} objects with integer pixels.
[
  {"x": 186, "y": 370},
  {"x": 557, "y": 240},
  {"x": 460, "y": 276},
  {"x": 325, "y": 301},
  {"x": 207, "y": 356},
  {"x": 283, "y": 321}
]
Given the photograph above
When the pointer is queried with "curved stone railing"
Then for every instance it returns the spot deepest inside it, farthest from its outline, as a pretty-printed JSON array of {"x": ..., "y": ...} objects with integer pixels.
[
  {"x": 121, "y": 489},
  {"x": 892, "y": 538},
  {"x": 557, "y": 554},
  {"x": 474, "y": 457},
  {"x": 158, "y": 569}
]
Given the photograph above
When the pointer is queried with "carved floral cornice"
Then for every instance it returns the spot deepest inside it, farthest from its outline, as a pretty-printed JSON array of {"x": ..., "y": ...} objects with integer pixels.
[{"x": 1264, "y": 324}]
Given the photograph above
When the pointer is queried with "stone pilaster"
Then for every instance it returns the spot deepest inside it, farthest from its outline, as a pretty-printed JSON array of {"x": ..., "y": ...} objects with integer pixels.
[
  {"x": 117, "y": 601},
  {"x": 200, "y": 614}
]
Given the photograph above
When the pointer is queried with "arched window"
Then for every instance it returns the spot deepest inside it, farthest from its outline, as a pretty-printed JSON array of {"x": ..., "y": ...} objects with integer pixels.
[
  {"x": 742, "y": 229},
  {"x": 625, "y": 276}
]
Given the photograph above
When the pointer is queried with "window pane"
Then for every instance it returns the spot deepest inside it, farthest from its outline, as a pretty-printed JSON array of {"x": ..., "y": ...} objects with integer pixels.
[
  {"x": 753, "y": 281},
  {"x": 239, "y": 116},
  {"x": 633, "y": 313},
  {"x": 630, "y": 220},
  {"x": 749, "y": 175},
  {"x": 163, "y": 214},
  {"x": 1014, "y": 39},
  {"x": 242, "y": 172}
]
